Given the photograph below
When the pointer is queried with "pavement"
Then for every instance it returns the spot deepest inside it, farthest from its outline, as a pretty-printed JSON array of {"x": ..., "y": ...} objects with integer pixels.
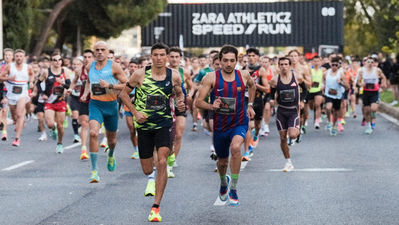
[{"x": 348, "y": 179}]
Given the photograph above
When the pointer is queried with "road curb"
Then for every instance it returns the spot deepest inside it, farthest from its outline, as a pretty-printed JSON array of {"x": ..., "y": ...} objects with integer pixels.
[{"x": 388, "y": 109}]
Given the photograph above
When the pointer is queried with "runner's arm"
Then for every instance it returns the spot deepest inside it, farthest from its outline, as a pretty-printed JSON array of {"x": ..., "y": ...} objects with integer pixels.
[
  {"x": 383, "y": 78},
  {"x": 265, "y": 84},
  {"x": 205, "y": 88},
  {"x": 3, "y": 75},
  {"x": 133, "y": 82},
  {"x": 251, "y": 86},
  {"x": 176, "y": 81},
  {"x": 119, "y": 75}
]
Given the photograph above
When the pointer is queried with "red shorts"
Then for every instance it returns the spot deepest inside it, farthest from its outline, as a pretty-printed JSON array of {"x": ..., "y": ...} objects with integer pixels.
[{"x": 57, "y": 107}]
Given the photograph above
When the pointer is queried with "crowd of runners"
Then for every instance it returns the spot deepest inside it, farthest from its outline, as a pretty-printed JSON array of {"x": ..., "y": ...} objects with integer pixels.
[{"x": 233, "y": 95}]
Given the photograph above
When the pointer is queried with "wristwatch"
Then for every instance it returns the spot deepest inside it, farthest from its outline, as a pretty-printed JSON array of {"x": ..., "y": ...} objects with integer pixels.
[
  {"x": 111, "y": 86},
  {"x": 251, "y": 104}
]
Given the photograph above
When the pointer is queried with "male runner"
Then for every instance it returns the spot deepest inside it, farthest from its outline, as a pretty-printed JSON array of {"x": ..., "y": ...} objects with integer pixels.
[
  {"x": 18, "y": 75},
  {"x": 102, "y": 82},
  {"x": 74, "y": 94},
  {"x": 227, "y": 89},
  {"x": 153, "y": 118},
  {"x": 335, "y": 85},
  {"x": 286, "y": 85},
  {"x": 56, "y": 82},
  {"x": 8, "y": 58},
  {"x": 259, "y": 75},
  {"x": 175, "y": 55},
  {"x": 370, "y": 77},
  {"x": 268, "y": 108},
  {"x": 315, "y": 96},
  {"x": 81, "y": 78}
]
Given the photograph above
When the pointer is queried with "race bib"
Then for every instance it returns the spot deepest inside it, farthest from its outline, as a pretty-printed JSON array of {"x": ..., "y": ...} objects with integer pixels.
[
  {"x": 287, "y": 96},
  {"x": 227, "y": 106},
  {"x": 96, "y": 89},
  {"x": 156, "y": 102},
  {"x": 16, "y": 89},
  {"x": 58, "y": 91},
  {"x": 332, "y": 92},
  {"x": 370, "y": 86},
  {"x": 315, "y": 84}
]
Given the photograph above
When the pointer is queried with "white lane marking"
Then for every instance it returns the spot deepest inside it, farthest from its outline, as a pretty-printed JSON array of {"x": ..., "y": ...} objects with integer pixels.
[
  {"x": 18, "y": 165},
  {"x": 315, "y": 170},
  {"x": 389, "y": 118},
  {"x": 72, "y": 146},
  {"x": 219, "y": 202},
  {"x": 243, "y": 165}
]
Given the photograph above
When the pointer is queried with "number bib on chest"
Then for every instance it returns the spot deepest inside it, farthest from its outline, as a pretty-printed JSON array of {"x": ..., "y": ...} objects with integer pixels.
[
  {"x": 155, "y": 102},
  {"x": 227, "y": 106},
  {"x": 370, "y": 86},
  {"x": 96, "y": 89},
  {"x": 16, "y": 90},
  {"x": 315, "y": 84},
  {"x": 77, "y": 89},
  {"x": 58, "y": 91},
  {"x": 332, "y": 91},
  {"x": 287, "y": 96}
]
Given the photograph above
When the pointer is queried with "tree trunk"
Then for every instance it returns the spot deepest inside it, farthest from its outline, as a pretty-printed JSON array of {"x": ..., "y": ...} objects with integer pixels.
[
  {"x": 78, "y": 42},
  {"x": 48, "y": 25}
]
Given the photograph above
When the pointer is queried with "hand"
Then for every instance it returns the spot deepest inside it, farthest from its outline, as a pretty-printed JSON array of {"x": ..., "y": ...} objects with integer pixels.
[
  {"x": 4, "y": 101},
  {"x": 271, "y": 102},
  {"x": 384, "y": 85},
  {"x": 44, "y": 97},
  {"x": 216, "y": 104},
  {"x": 68, "y": 92},
  {"x": 104, "y": 84},
  {"x": 250, "y": 112},
  {"x": 301, "y": 104},
  {"x": 181, "y": 106},
  {"x": 140, "y": 117},
  {"x": 83, "y": 98},
  {"x": 189, "y": 101}
]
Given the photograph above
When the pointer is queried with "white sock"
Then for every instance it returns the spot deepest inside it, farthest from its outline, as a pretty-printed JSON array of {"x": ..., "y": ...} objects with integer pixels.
[
  {"x": 289, "y": 161},
  {"x": 212, "y": 147},
  {"x": 152, "y": 175}
]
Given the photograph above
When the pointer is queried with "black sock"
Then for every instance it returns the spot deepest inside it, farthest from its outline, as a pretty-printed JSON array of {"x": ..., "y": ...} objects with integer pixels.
[
  {"x": 75, "y": 126},
  {"x": 155, "y": 206}
]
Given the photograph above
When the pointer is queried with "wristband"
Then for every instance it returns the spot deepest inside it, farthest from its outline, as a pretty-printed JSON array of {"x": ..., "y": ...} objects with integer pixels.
[
  {"x": 251, "y": 104},
  {"x": 111, "y": 86}
]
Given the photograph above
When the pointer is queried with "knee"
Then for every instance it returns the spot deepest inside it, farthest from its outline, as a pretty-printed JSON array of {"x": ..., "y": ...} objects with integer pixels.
[
  {"x": 223, "y": 162},
  {"x": 148, "y": 171},
  {"x": 161, "y": 163},
  {"x": 93, "y": 133}
]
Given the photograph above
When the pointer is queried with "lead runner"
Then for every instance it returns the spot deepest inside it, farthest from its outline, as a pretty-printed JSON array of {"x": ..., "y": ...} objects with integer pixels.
[{"x": 227, "y": 89}]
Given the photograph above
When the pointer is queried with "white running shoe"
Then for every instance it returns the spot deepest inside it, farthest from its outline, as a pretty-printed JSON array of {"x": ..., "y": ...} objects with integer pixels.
[
  {"x": 104, "y": 142},
  {"x": 288, "y": 167},
  {"x": 43, "y": 137}
]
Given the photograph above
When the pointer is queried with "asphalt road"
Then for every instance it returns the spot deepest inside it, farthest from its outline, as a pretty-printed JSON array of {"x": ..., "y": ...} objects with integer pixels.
[{"x": 352, "y": 178}]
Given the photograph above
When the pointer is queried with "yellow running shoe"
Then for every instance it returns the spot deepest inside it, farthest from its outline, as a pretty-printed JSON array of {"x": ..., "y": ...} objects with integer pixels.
[
  {"x": 94, "y": 177},
  {"x": 150, "y": 189},
  {"x": 84, "y": 155},
  {"x": 154, "y": 215}
]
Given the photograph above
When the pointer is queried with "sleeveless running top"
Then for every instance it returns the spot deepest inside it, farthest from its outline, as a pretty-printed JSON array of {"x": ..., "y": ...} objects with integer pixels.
[
  {"x": 317, "y": 80},
  {"x": 287, "y": 94},
  {"x": 19, "y": 85},
  {"x": 54, "y": 90},
  {"x": 96, "y": 91},
  {"x": 370, "y": 79},
  {"x": 152, "y": 99},
  {"x": 183, "y": 88},
  {"x": 83, "y": 78},
  {"x": 232, "y": 112},
  {"x": 333, "y": 88}
]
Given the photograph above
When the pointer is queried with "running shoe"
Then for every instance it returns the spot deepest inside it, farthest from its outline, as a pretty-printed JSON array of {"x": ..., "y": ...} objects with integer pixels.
[
  {"x": 195, "y": 128},
  {"x": 111, "y": 163},
  {"x": 150, "y": 189},
  {"x": 321, "y": 119},
  {"x": 347, "y": 114},
  {"x": 290, "y": 141},
  {"x": 245, "y": 157},
  {"x": 154, "y": 215},
  {"x": 76, "y": 138},
  {"x": 254, "y": 141},
  {"x": 303, "y": 129},
  {"x": 250, "y": 151},
  {"x": 43, "y": 137},
  {"x": 16, "y": 142},
  {"x": 373, "y": 126},
  {"x": 288, "y": 167},
  {"x": 343, "y": 121},
  {"x": 84, "y": 155},
  {"x": 317, "y": 124},
  {"x": 65, "y": 123},
  {"x": 207, "y": 132},
  {"x": 4, "y": 136},
  {"x": 135, "y": 155},
  {"x": 340, "y": 127},
  {"x": 354, "y": 115},
  {"x": 53, "y": 133},
  {"x": 94, "y": 177},
  {"x": 170, "y": 172},
  {"x": 60, "y": 149},
  {"x": 329, "y": 126},
  {"x": 214, "y": 156},
  {"x": 368, "y": 130},
  {"x": 171, "y": 159},
  {"x": 333, "y": 131},
  {"x": 104, "y": 143},
  {"x": 299, "y": 139},
  {"x": 364, "y": 122},
  {"x": 1, "y": 125},
  {"x": 224, "y": 191},
  {"x": 233, "y": 198}
]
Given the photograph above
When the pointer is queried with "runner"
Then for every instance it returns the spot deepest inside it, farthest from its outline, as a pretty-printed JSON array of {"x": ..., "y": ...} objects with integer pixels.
[
  {"x": 18, "y": 75},
  {"x": 103, "y": 77},
  {"x": 286, "y": 85},
  {"x": 83, "y": 107},
  {"x": 175, "y": 55},
  {"x": 227, "y": 89},
  {"x": 370, "y": 76},
  {"x": 153, "y": 118},
  {"x": 267, "y": 111},
  {"x": 74, "y": 94},
  {"x": 56, "y": 82},
  {"x": 315, "y": 96},
  {"x": 259, "y": 75},
  {"x": 38, "y": 101},
  {"x": 335, "y": 85},
  {"x": 8, "y": 58}
]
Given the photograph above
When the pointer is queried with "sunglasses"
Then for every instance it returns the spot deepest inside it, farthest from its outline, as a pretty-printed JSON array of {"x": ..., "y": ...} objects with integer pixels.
[
  {"x": 55, "y": 60},
  {"x": 369, "y": 61},
  {"x": 334, "y": 64}
]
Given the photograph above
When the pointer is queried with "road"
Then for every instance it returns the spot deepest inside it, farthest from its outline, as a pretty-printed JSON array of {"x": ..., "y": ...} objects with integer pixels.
[{"x": 348, "y": 179}]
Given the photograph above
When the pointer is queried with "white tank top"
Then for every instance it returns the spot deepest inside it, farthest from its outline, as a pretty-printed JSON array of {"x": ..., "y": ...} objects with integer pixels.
[
  {"x": 21, "y": 76},
  {"x": 333, "y": 89},
  {"x": 370, "y": 79}
]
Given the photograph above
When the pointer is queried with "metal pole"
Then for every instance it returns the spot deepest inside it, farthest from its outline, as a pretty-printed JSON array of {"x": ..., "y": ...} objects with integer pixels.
[{"x": 1, "y": 28}]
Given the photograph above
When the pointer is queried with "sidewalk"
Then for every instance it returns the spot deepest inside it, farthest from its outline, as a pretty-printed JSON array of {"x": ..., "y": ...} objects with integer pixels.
[{"x": 386, "y": 107}]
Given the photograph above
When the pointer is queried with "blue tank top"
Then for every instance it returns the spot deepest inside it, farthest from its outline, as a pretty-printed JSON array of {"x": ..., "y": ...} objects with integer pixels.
[
  {"x": 333, "y": 88},
  {"x": 104, "y": 74},
  {"x": 232, "y": 112}
]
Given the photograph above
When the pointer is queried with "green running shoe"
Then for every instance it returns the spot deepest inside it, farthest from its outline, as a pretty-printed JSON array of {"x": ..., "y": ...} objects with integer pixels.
[
  {"x": 111, "y": 164},
  {"x": 60, "y": 149},
  {"x": 94, "y": 177},
  {"x": 368, "y": 130},
  {"x": 135, "y": 155},
  {"x": 150, "y": 189},
  {"x": 171, "y": 159},
  {"x": 65, "y": 123}
]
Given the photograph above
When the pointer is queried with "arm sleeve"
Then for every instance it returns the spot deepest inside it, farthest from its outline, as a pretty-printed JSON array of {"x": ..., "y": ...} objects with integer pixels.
[{"x": 304, "y": 91}]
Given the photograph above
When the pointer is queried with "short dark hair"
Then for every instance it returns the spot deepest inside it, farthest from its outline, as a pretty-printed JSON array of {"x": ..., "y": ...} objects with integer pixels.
[
  {"x": 160, "y": 45},
  {"x": 284, "y": 58},
  {"x": 88, "y": 51},
  {"x": 228, "y": 49},
  {"x": 19, "y": 51},
  {"x": 215, "y": 57},
  {"x": 56, "y": 53},
  {"x": 213, "y": 52},
  {"x": 176, "y": 49},
  {"x": 335, "y": 60},
  {"x": 316, "y": 57},
  {"x": 44, "y": 58},
  {"x": 253, "y": 50},
  {"x": 202, "y": 56},
  {"x": 141, "y": 60},
  {"x": 111, "y": 51}
]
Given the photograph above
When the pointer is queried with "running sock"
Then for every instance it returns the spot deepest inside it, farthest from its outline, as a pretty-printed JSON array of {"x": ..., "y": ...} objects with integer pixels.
[
  {"x": 373, "y": 115},
  {"x": 75, "y": 126},
  {"x": 136, "y": 148},
  {"x": 93, "y": 159},
  {"x": 110, "y": 151},
  {"x": 223, "y": 180},
  {"x": 234, "y": 180},
  {"x": 152, "y": 175},
  {"x": 84, "y": 148},
  {"x": 289, "y": 161}
]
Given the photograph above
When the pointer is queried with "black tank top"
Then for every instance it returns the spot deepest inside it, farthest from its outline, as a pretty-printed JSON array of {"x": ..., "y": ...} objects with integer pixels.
[{"x": 287, "y": 94}]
